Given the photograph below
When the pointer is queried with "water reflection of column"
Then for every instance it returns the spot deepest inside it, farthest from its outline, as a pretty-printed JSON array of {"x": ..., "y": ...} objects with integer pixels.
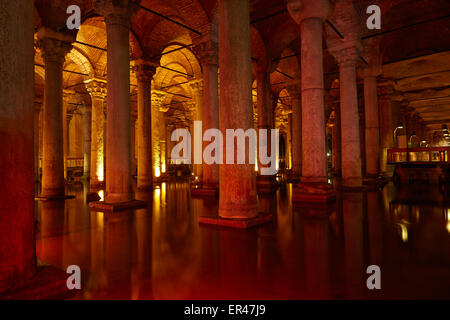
[
  {"x": 98, "y": 279},
  {"x": 118, "y": 254},
  {"x": 238, "y": 257},
  {"x": 317, "y": 264},
  {"x": 375, "y": 228},
  {"x": 210, "y": 248},
  {"x": 142, "y": 272},
  {"x": 51, "y": 222},
  {"x": 352, "y": 208},
  {"x": 270, "y": 264}
]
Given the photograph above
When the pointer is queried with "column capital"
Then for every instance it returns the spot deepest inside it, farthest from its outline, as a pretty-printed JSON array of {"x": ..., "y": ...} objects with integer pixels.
[
  {"x": 117, "y": 11},
  {"x": 158, "y": 98},
  {"x": 207, "y": 52},
  {"x": 54, "y": 45},
  {"x": 300, "y": 10},
  {"x": 347, "y": 54},
  {"x": 96, "y": 88},
  {"x": 196, "y": 86},
  {"x": 144, "y": 70},
  {"x": 294, "y": 89}
]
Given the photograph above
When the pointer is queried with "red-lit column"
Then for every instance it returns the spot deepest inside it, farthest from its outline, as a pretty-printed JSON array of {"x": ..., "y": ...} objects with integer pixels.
[
  {"x": 372, "y": 133},
  {"x": 313, "y": 187},
  {"x": 17, "y": 234},
  {"x": 54, "y": 47},
  {"x": 296, "y": 102},
  {"x": 237, "y": 190},
  {"x": 144, "y": 73},
  {"x": 350, "y": 134}
]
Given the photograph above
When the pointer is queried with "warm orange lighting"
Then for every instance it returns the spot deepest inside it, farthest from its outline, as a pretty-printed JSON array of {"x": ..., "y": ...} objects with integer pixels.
[
  {"x": 101, "y": 194},
  {"x": 163, "y": 168},
  {"x": 157, "y": 172},
  {"x": 100, "y": 174}
]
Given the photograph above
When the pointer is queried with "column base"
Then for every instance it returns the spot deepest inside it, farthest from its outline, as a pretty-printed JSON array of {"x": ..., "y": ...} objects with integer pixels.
[
  {"x": 235, "y": 223},
  {"x": 49, "y": 283},
  {"x": 92, "y": 196},
  {"x": 315, "y": 194},
  {"x": 199, "y": 192},
  {"x": 145, "y": 189},
  {"x": 96, "y": 185},
  {"x": 374, "y": 181},
  {"x": 116, "y": 206},
  {"x": 266, "y": 184},
  {"x": 53, "y": 198}
]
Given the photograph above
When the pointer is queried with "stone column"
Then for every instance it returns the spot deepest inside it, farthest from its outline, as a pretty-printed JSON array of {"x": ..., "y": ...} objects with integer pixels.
[
  {"x": 133, "y": 129},
  {"x": 237, "y": 184},
  {"x": 97, "y": 90},
  {"x": 158, "y": 98},
  {"x": 54, "y": 47},
  {"x": 37, "y": 111},
  {"x": 372, "y": 132},
  {"x": 350, "y": 134},
  {"x": 265, "y": 111},
  {"x": 87, "y": 119},
  {"x": 387, "y": 126},
  {"x": 144, "y": 72},
  {"x": 313, "y": 186},
  {"x": 117, "y": 15},
  {"x": 207, "y": 53},
  {"x": 295, "y": 95},
  {"x": 197, "y": 91},
  {"x": 17, "y": 233}
]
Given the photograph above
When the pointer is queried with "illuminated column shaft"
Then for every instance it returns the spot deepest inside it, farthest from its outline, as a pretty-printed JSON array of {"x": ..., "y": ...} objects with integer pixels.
[
  {"x": 54, "y": 47},
  {"x": 87, "y": 119},
  {"x": 97, "y": 90},
  {"x": 237, "y": 190},
  {"x": 207, "y": 53},
  {"x": 17, "y": 221},
  {"x": 37, "y": 111},
  {"x": 144, "y": 74},
  {"x": 350, "y": 135},
  {"x": 197, "y": 89},
  {"x": 158, "y": 98}
]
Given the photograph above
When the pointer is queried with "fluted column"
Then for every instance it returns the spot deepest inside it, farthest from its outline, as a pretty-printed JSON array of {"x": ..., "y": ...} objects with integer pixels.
[
  {"x": 372, "y": 127},
  {"x": 17, "y": 231},
  {"x": 97, "y": 90},
  {"x": 87, "y": 129},
  {"x": 350, "y": 134},
  {"x": 208, "y": 55},
  {"x": 117, "y": 15},
  {"x": 295, "y": 95},
  {"x": 54, "y": 47},
  {"x": 237, "y": 190},
  {"x": 310, "y": 14},
  {"x": 144, "y": 72}
]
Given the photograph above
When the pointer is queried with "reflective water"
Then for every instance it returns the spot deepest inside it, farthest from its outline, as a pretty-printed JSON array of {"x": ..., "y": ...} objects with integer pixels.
[{"x": 162, "y": 253}]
